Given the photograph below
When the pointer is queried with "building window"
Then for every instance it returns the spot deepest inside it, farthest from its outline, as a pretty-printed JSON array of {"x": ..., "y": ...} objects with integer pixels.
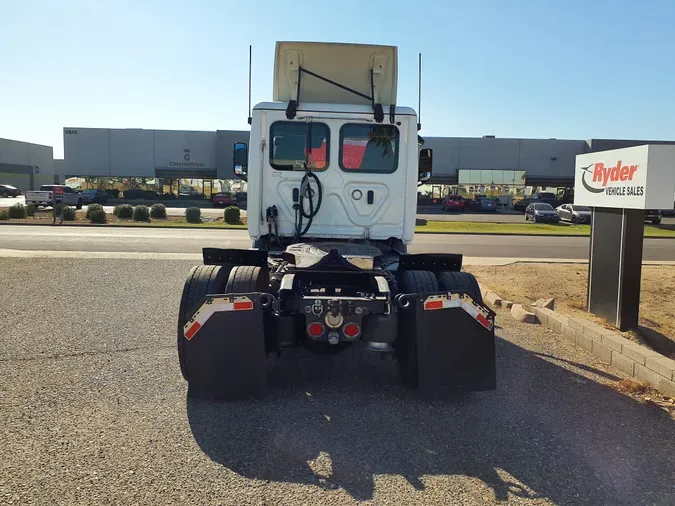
[
  {"x": 288, "y": 146},
  {"x": 491, "y": 177},
  {"x": 369, "y": 148}
]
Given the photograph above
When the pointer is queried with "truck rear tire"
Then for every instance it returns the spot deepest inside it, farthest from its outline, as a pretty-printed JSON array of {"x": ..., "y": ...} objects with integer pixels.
[
  {"x": 202, "y": 280},
  {"x": 418, "y": 282},
  {"x": 462, "y": 282},
  {"x": 246, "y": 279}
]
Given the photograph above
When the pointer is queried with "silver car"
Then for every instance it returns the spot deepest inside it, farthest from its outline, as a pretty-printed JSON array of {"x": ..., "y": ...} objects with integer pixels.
[{"x": 573, "y": 213}]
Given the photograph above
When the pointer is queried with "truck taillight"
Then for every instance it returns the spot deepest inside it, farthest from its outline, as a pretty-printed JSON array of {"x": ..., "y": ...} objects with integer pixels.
[
  {"x": 351, "y": 330},
  {"x": 315, "y": 329}
]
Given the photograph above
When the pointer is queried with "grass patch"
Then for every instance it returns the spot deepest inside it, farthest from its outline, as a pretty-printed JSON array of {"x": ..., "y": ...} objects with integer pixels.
[{"x": 471, "y": 227}]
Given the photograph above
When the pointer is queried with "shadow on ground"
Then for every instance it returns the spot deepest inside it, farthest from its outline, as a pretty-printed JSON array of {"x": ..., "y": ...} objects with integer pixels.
[{"x": 559, "y": 434}]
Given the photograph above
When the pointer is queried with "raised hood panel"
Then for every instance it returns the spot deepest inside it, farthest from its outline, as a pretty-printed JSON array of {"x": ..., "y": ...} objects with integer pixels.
[{"x": 347, "y": 64}]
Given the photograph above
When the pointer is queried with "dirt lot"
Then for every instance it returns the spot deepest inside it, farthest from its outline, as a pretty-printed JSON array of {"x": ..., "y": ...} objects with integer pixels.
[{"x": 525, "y": 283}]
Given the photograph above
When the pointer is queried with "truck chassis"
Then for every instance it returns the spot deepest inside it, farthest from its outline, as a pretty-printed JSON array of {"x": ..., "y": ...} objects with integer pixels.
[{"x": 242, "y": 305}]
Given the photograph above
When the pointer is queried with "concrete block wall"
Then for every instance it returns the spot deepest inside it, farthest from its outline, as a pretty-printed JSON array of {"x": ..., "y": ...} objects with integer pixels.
[{"x": 629, "y": 357}]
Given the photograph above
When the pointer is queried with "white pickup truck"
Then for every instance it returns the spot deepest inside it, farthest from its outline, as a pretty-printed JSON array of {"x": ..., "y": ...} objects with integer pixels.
[{"x": 49, "y": 194}]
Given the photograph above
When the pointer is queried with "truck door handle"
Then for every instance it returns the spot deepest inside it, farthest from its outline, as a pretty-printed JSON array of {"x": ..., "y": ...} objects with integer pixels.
[{"x": 371, "y": 196}]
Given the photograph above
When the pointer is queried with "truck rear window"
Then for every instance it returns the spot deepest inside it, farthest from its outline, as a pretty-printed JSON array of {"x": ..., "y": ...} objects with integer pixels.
[
  {"x": 289, "y": 146},
  {"x": 369, "y": 148}
]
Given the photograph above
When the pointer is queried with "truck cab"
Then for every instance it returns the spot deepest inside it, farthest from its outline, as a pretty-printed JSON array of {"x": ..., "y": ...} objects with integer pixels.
[{"x": 367, "y": 165}]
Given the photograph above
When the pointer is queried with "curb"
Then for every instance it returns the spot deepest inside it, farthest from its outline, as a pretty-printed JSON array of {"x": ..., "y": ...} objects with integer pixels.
[{"x": 631, "y": 358}]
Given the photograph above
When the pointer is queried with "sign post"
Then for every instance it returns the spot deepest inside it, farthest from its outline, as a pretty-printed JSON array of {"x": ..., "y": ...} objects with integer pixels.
[
  {"x": 58, "y": 191},
  {"x": 619, "y": 185}
]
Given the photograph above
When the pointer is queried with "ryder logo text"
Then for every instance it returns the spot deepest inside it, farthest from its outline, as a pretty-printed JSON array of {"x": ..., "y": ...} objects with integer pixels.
[{"x": 609, "y": 180}]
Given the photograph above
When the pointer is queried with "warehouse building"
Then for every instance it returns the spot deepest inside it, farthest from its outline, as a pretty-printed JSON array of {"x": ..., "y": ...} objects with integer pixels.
[
  {"x": 25, "y": 165},
  {"x": 199, "y": 163}
]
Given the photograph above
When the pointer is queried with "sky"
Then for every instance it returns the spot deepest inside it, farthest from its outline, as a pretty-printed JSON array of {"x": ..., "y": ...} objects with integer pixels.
[{"x": 566, "y": 69}]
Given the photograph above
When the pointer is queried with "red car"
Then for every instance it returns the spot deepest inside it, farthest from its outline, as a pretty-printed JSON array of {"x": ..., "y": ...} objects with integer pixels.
[
  {"x": 222, "y": 199},
  {"x": 453, "y": 203}
]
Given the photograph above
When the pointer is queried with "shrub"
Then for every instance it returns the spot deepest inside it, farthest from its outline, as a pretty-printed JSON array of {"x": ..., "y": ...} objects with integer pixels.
[
  {"x": 97, "y": 216},
  {"x": 193, "y": 215},
  {"x": 113, "y": 194},
  {"x": 158, "y": 211},
  {"x": 232, "y": 214},
  {"x": 17, "y": 211},
  {"x": 91, "y": 208},
  {"x": 30, "y": 210},
  {"x": 124, "y": 211},
  {"x": 141, "y": 213},
  {"x": 4, "y": 215},
  {"x": 167, "y": 196},
  {"x": 150, "y": 194},
  {"x": 68, "y": 213}
]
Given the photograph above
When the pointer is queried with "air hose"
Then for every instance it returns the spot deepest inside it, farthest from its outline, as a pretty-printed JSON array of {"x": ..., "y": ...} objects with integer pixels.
[{"x": 307, "y": 192}]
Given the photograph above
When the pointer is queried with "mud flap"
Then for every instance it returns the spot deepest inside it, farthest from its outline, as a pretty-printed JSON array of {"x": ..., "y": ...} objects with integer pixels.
[
  {"x": 446, "y": 343},
  {"x": 224, "y": 350}
]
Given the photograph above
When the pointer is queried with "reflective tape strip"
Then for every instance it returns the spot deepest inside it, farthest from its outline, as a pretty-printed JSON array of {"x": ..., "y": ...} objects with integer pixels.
[
  {"x": 211, "y": 306},
  {"x": 440, "y": 302},
  {"x": 477, "y": 315},
  {"x": 434, "y": 302}
]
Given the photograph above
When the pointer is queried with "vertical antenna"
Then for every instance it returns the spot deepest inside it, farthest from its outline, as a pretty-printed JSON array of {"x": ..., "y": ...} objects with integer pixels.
[
  {"x": 250, "y": 59},
  {"x": 419, "y": 93}
]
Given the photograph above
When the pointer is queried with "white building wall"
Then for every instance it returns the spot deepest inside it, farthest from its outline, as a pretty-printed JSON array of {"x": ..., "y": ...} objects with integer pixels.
[
  {"x": 87, "y": 151},
  {"x": 182, "y": 149},
  {"x": 132, "y": 153}
]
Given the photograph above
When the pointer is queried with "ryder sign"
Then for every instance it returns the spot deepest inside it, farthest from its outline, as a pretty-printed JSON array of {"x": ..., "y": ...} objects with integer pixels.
[{"x": 641, "y": 177}]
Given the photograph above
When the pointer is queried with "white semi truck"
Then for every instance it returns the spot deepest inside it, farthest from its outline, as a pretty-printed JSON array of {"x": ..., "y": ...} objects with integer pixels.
[{"x": 333, "y": 166}]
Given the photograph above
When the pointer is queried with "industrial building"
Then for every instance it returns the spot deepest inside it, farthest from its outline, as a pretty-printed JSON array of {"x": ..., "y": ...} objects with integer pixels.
[{"x": 167, "y": 161}]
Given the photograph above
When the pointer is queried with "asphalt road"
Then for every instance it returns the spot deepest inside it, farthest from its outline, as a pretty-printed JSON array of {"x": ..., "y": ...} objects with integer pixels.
[
  {"x": 94, "y": 411},
  {"x": 155, "y": 240}
]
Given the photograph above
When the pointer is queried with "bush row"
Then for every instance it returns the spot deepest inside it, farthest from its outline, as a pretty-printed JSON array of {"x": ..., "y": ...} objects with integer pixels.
[{"x": 96, "y": 213}]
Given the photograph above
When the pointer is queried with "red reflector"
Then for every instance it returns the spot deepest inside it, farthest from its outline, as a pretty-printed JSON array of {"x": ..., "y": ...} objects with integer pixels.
[
  {"x": 433, "y": 304},
  {"x": 243, "y": 305},
  {"x": 192, "y": 330},
  {"x": 351, "y": 330},
  {"x": 484, "y": 321},
  {"x": 315, "y": 329}
]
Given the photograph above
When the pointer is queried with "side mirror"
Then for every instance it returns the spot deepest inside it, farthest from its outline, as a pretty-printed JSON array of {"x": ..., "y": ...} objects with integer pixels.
[
  {"x": 425, "y": 164},
  {"x": 240, "y": 160}
]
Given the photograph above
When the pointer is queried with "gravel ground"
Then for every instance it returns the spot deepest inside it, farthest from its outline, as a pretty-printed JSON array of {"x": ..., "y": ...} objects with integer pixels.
[
  {"x": 568, "y": 285},
  {"x": 94, "y": 412}
]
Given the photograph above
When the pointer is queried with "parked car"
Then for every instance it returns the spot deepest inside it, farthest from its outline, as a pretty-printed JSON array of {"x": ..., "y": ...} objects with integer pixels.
[
  {"x": 240, "y": 198},
  {"x": 543, "y": 197},
  {"x": 94, "y": 196},
  {"x": 7, "y": 190},
  {"x": 575, "y": 214},
  {"x": 189, "y": 192},
  {"x": 223, "y": 199},
  {"x": 653, "y": 215},
  {"x": 52, "y": 194},
  {"x": 483, "y": 203},
  {"x": 541, "y": 213},
  {"x": 453, "y": 203}
]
